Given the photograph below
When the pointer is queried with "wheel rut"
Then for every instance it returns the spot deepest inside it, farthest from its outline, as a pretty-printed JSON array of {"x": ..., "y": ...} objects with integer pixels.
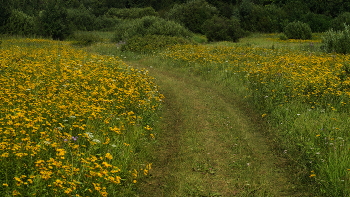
[{"x": 211, "y": 143}]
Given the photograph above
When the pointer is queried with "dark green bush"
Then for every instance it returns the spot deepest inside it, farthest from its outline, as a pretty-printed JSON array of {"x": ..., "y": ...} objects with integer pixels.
[
  {"x": 192, "y": 14},
  {"x": 81, "y": 18},
  {"x": 298, "y": 30},
  {"x": 131, "y": 13},
  {"x": 20, "y": 23},
  {"x": 338, "y": 22},
  {"x": 5, "y": 12},
  {"x": 317, "y": 22},
  {"x": 105, "y": 23},
  {"x": 337, "y": 41},
  {"x": 220, "y": 29},
  {"x": 151, "y": 43},
  {"x": 259, "y": 18},
  {"x": 149, "y": 25},
  {"x": 54, "y": 23}
]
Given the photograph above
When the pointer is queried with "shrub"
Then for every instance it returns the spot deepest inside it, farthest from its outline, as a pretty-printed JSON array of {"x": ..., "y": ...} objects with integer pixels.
[
  {"x": 192, "y": 14},
  {"x": 338, "y": 22},
  {"x": 149, "y": 25},
  {"x": 283, "y": 37},
  {"x": 317, "y": 22},
  {"x": 258, "y": 18},
  {"x": 131, "y": 13},
  {"x": 151, "y": 43},
  {"x": 337, "y": 41},
  {"x": 220, "y": 29},
  {"x": 105, "y": 23},
  {"x": 81, "y": 18},
  {"x": 298, "y": 30},
  {"x": 85, "y": 38},
  {"x": 5, "y": 13},
  {"x": 54, "y": 22},
  {"x": 20, "y": 23}
]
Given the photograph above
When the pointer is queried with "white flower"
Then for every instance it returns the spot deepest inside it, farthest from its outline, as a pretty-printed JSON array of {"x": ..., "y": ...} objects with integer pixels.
[
  {"x": 96, "y": 140},
  {"x": 89, "y": 134},
  {"x": 47, "y": 142}
]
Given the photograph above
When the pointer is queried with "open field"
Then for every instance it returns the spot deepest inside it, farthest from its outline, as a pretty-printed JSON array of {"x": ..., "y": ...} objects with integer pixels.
[{"x": 76, "y": 123}]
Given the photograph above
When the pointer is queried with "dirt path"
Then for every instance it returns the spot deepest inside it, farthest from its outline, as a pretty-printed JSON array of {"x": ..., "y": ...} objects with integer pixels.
[{"x": 211, "y": 144}]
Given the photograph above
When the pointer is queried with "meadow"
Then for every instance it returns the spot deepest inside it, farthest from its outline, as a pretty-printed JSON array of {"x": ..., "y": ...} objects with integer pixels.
[
  {"x": 300, "y": 91},
  {"x": 72, "y": 123},
  {"x": 75, "y": 123}
]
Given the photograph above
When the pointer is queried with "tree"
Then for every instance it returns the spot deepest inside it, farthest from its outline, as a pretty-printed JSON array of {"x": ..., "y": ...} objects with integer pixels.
[
  {"x": 54, "y": 22},
  {"x": 5, "y": 12}
]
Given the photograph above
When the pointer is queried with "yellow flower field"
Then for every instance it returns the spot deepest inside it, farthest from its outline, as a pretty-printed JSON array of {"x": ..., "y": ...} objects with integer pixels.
[
  {"x": 310, "y": 77},
  {"x": 303, "y": 95},
  {"x": 71, "y": 122}
]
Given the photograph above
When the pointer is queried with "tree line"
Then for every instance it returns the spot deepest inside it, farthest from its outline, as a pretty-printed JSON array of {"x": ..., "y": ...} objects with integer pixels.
[{"x": 58, "y": 18}]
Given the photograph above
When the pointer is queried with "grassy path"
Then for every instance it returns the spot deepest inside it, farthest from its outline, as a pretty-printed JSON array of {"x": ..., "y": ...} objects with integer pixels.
[{"x": 211, "y": 144}]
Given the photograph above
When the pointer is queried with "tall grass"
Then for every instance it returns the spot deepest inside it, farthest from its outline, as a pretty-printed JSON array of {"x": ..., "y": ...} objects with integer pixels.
[
  {"x": 303, "y": 95},
  {"x": 72, "y": 123}
]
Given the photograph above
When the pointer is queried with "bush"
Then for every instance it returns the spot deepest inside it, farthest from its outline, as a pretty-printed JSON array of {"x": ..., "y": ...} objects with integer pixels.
[
  {"x": 192, "y": 14},
  {"x": 220, "y": 29},
  {"x": 337, "y": 41},
  {"x": 85, "y": 38},
  {"x": 317, "y": 22},
  {"x": 81, "y": 18},
  {"x": 54, "y": 22},
  {"x": 298, "y": 30},
  {"x": 338, "y": 22},
  {"x": 131, "y": 13},
  {"x": 259, "y": 18},
  {"x": 151, "y": 43},
  {"x": 105, "y": 23},
  {"x": 149, "y": 25},
  {"x": 20, "y": 23}
]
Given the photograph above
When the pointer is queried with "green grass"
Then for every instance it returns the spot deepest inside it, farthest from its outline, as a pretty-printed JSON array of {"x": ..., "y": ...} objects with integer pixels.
[{"x": 311, "y": 137}]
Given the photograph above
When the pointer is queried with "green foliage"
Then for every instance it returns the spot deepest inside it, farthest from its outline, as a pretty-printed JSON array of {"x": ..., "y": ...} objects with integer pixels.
[
  {"x": 192, "y": 14},
  {"x": 54, "y": 22},
  {"x": 85, "y": 38},
  {"x": 81, "y": 18},
  {"x": 283, "y": 37},
  {"x": 199, "y": 38},
  {"x": 258, "y": 18},
  {"x": 131, "y": 13},
  {"x": 222, "y": 29},
  {"x": 317, "y": 22},
  {"x": 298, "y": 30},
  {"x": 151, "y": 43},
  {"x": 337, "y": 41},
  {"x": 149, "y": 25},
  {"x": 5, "y": 12},
  {"x": 20, "y": 23},
  {"x": 338, "y": 22},
  {"x": 105, "y": 23}
]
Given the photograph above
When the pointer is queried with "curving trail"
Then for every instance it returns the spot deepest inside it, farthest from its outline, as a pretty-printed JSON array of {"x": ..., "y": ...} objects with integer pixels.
[{"x": 211, "y": 143}]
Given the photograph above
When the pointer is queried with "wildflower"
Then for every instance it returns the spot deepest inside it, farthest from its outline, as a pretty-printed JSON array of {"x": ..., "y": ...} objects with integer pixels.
[
  {"x": 109, "y": 156},
  {"x": 89, "y": 135},
  {"x": 116, "y": 130}
]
